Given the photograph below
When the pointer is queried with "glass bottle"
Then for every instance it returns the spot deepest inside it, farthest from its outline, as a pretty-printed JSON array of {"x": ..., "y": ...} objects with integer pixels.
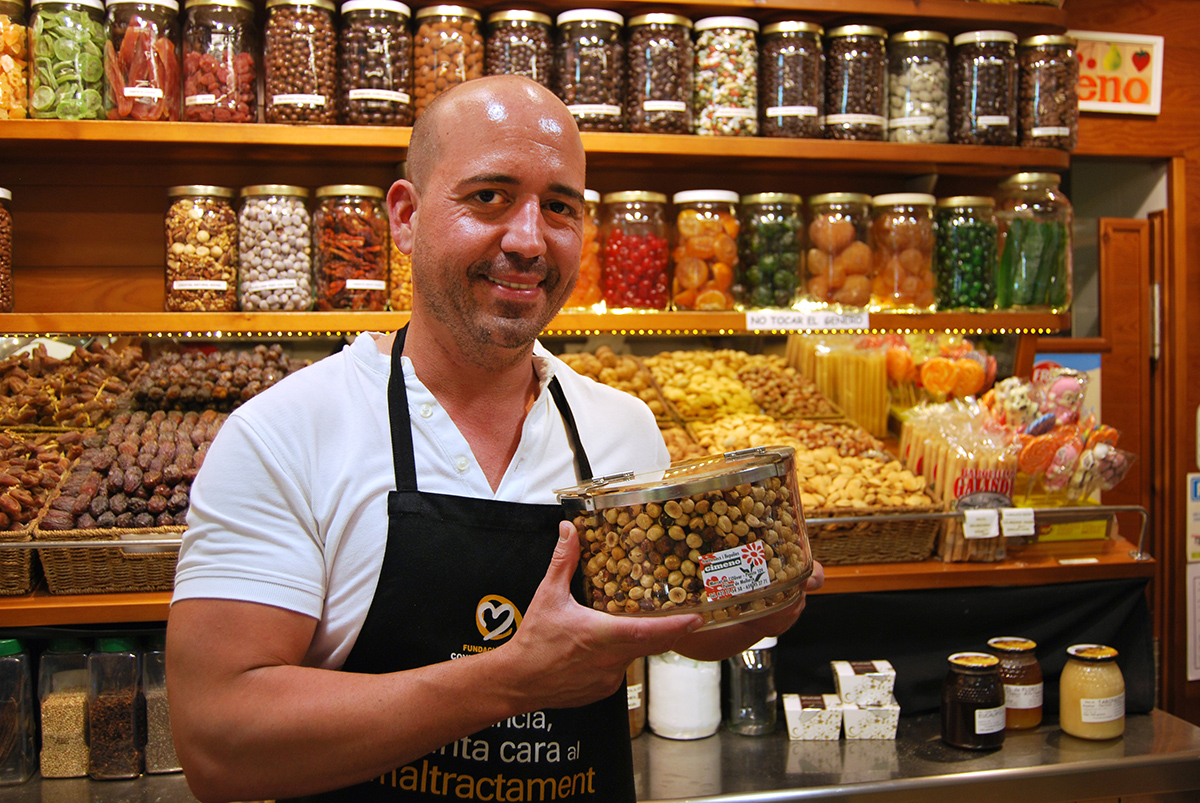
[
  {"x": 220, "y": 62},
  {"x": 63, "y": 692},
  {"x": 448, "y": 49},
  {"x": 588, "y": 292},
  {"x": 918, "y": 87},
  {"x": 725, "y": 90},
  {"x": 1035, "y": 231},
  {"x": 375, "y": 63},
  {"x": 965, "y": 266},
  {"x": 1091, "y": 693},
  {"x": 66, "y": 54},
  {"x": 635, "y": 691},
  {"x": 791, "y": 80},
  {"x": 142, "y": 67},
  {"x": 856, "y": 71},
  {"x": 160, "y": 745},
  {"x": 983, "y": 107},
  {"x": 635, "y": 255},
  {"x": 1022, "y": 676},
  {"x": 113, "y": 721},
  {"x": 201, "y": 249},
  {"x": 14, "y": 60},
  {"x": 521, "y": 43},
  {"x": 751, "y": 707},
  {"x": 274, "y": 248},
  {"x": 590, "y": 64},
  {"x": 658, "y": 99},
  {"x": 685, "y": 698},
  {"x": 300, "y": 62},
  {"x": 903, "y": 243},
  {"x": 769, "y": 250},
  {"x": 705, "y": 256},
  {"x": 350, "y": 235},
  {"x": 1049, "y": 93},
  {"x": 6, "y": 246},
  {"x": 17, "y": 717},
  {"x": 838, "y": 261},
  {"x": 973, "y": 715}
]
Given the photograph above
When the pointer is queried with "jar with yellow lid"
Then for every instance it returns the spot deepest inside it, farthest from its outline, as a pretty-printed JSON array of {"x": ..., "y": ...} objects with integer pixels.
[
  {"x": 274, "y": 248},
  {"x": 1091, "y": 693},
  {"x": 201, "y": 249},
  {"x": 350, "y": 247},
  {"x": 448, "y": 49},
  {"x": 1022, "y": 676},
  {"x": 587, "y": 292},
  {"x": 973, "y": 715},
  {"x": 635, "y": 250},
  {"x": 791, "y": 80},
  {"x": 769, "y": 247},
  {"x": 838, "y": 261},
  {"x": 141, "y": 62},
  {"x": 1048, "y": 99}
]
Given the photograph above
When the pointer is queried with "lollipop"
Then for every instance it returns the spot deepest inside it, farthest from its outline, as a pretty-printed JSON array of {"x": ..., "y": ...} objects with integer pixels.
[
  {"x": 969, "y": 378},
  {"x": 1037, "y": 453},
  {"x": 938, "y": 375},
  {"x": 1062, "y": 465},
  {"x": 1102, "y": 434}
]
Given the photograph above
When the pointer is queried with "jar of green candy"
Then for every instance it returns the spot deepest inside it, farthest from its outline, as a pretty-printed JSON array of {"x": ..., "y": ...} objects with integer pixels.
[
  {"x": 769, "y": 247},
  {"x": 965, "y": 262},
  {"x": 1034, "y": 223},
  {"x": 66, "y": 44}
]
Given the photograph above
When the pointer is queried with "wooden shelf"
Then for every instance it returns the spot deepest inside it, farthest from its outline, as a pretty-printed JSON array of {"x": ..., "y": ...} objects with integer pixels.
[{"x": 42, "y": 609}]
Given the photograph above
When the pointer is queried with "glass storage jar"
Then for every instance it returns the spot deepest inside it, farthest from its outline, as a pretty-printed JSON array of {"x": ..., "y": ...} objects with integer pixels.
[
  {"x": 1022, "y": 677},
  {"x": 1035, "y": 224},
  {"x": 300, "y": 55},
  {"x": 448, "y": 49},
  {"x": 918, "y": 87},
  {"x": 791, "y": 80},
  {"x": 1091, "y": 693},
  {"x": 6, "y": 247},
  {"x": 902, "y": 240},
  {"x": 590, "y": 63},
  {"x": 856, "y": 72},
  {"x": 350, "y": 235},
  {"x": 635, "y": 694},
  {"x": 160, "y": 746},
  {"x": 113, "y": 721},
  {"x": 220, "y": 62},
  {"x": 965, "y": 266},
  {"x": 983, "y": 106},
  {"x": 973, "y": 702},
  {"x": 587, "y": 292},
  {"x": 18, "y": 725},
  {"x": 201, "y": 249},
  {"x": 705, "y": 256},
  {"x": 687, "y": 703},
  {"x": 521, "y": 43},
  {"x": 1049, "y": 93},
  {"x": 752, "y": 697},
  {"x": 66, "y": 57},
  {"x": 274, "y": 248},
  {"x": 725, "y": 92},
  {"x": 375, "y": 81},
  {"x": 635, "y": 255},
  {"x": 14, "y": 60},
  {"x": 142, "y": 66},
  {"x": 658, "y": 98},
  {"x": 63, "y": 692},
  {"x": 769, "y": 250},
  {"x": 838, "y": 261}
]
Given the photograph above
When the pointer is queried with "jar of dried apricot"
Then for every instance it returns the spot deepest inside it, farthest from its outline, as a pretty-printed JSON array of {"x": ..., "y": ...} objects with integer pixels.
[
  {"x": 902, "y": 240},
  {"x": 705, "y": 255},
  {"x": 838, "y": 263}
]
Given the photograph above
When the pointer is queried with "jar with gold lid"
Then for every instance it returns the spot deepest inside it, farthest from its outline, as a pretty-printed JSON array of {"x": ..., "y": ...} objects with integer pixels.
[
  {"x": 587, "y": 292},
  {"x": 448, "y": 49},
  {"x": 14, "y": 60},
  {"x": 973, "y": 715},
  {"x": 705, "y": 255},
  {"x": 202, "y": 249},
  {"x": 220, "y": 64},
  {"x": 634, "y": 248},
  {"x": 1091, "y": 693},
  {"x": 350, "y": 247},
  {"x": 300, "y": 62},
  {"x": 1022, "y": 676}
]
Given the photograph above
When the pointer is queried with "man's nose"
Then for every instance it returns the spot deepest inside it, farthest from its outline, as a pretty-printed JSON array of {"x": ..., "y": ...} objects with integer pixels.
[{"x": 525, "y": 234}]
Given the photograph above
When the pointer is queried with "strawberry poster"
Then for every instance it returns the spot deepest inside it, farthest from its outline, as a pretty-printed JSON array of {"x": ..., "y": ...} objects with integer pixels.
[{"x": 1119, "y": 72}]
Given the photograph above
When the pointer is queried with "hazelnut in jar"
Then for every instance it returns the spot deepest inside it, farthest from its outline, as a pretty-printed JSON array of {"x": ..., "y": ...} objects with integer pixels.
[
  {"x": 521, "y": 43},
  {"x": 300, "y": 62},
  {"x": 658, "y": 99},
  {"x": 448, "y": 50},
  {"x": 838, "y": 261},
  {"x": 202, "y": 250},
  {"x": 220, "y": 70},
  {"x": 350, "y": 237},
  {"x": 590, "y": 66},
  {"x": 375, "y": 86},
  {"x": 705, "y": 256},
  {"x": 902, "y": 243},
  {"x": 635, "y": 254}
]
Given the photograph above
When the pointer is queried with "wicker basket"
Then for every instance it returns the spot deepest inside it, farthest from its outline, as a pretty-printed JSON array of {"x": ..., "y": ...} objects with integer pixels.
[
  {"x": 100, "y": 570},
  {"x": 16, "y": 565},
  {"x": 905, "y": 541}
]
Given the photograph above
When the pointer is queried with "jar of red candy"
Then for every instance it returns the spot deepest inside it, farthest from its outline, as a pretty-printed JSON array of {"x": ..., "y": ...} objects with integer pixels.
[
  {"x": 634, "y": 250},
  {"x": 587, "y": 290},
  {"x": 141, "y": 62},
  {"x": 219, "y": 66},
  {"x": 706, "y": 254}
]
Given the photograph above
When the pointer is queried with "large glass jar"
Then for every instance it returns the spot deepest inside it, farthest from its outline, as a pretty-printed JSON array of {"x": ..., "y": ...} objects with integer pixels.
[
  {"x": 521, "y": 43},
  {"x": 658, "y": 99},
  {"x": 791, "y": 80},
  {"x": 6, "y": 246},
  {"x": 375, "y": 86},
  {"x": 856, "y": 71},
  {"x": 201, "y": 249},
  {"x": 591, "y": 68},
  {"x": 1022, "y": 676},
  {"x": 448, "y": 49},
  {"x": 66, "y": 51},
  {"x": 918, "y": 87},
  {"x": 634, "y": 249},
  {"x": 769, "y": 250},
  {"x": 983, "y": 107},
  {"x": 18, "y": 720},
  {"x": 142, "y": 66},
  {"x": 300, "y": 55},
  {"x": 275, "y": 248},
  {"x": 726, "y": 77},
  {"x": 588, "y": 292},
  {"x": 838, "y": 262},
  {"x": 14, "y": 60},
  {"x": 973, "y": 702},
  {"x": 113, "y": 720},
  {"x": 1035, "y": 221},
  {"x": 63, "y": 691},
  {"x": 705, "y": 256},
  {"x": 1091, "y": 693},
  {"x": 350, "y": 235},
  {"x": 160, "y": 746},
  {"x": 220, "y": 62},
  {"x": 1049, "y": 93},
  {"x": 965, "y": 266},
  {"x": 902, "y": 240}
]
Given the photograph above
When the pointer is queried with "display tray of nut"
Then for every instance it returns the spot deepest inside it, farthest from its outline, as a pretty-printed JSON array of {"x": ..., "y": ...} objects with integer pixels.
[
  {"x": 722, "y": 536},
  {"x": 623, "y": 372},
  {"x": 734, "y": 432}
]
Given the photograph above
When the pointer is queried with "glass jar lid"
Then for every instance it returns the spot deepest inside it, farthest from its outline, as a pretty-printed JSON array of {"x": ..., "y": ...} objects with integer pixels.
[
  {"x": 793, "y": 26},
  {"x": 274, "y": 189},
  {"x": 1049, "y": 39},
  {"x": 363, "y": 190},
  {"x": 590, "y": 15},
  {"x": 705, "y": 196},
  {"x": 90, "y": 3},
  {"x": 199, "y": 189},
  {"x": 1092, "y": 653},
  {"x": 660, "y": 19},
  {"x": 393, "y": 6},
  {"x": 857, "y": 30},
  {"x": 245, "y": 5},
  {"x": 5, "y": 194},
  {"x": 325, "y": 4},
  {"x": 919, "y": 36},
  {"x": 966, "y": 200},
  {"x": 1032, "y": 180},
  {"x": 974, "y": 661},
  {"x": 1012, "y": 644},
  {"x": 591, "y": 196},
  {"x": 518, "y": 15},
  {"x": 839, "y": 198},
  {"x": 709, "y": 23},
  {"x": 449, "y": 11},
  {"x": 904, "y": 199},
  {"x": 984, "y": 36},
  {"x": 632, "y": 196},
  {"x": 171, "y": 4},
  {"x": 771, "y": 198}
]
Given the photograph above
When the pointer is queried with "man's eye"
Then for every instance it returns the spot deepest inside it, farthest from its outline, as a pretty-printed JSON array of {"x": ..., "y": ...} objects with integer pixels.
[
  {"x": 561, "y": 208},
  {"x": 488, "y": 196}
]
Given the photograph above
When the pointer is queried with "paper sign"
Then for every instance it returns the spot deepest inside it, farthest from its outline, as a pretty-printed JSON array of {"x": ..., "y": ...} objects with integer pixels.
[
  {"x": 1119, "y": 72},
  {"x": 1016, "y": 521},
  {"x": 818, "y": 320},
  {"x": 1193, "y": 518},
  {"x": 981, "y": 524},
  {"x": 1193, "y": 614}
]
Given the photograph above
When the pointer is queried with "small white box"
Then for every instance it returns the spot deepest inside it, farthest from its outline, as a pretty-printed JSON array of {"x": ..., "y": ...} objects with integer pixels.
[
  {"x": 813, "y": 716},
  {"x": 871, "y": 721},
  {"x": 864, "y": 682}
]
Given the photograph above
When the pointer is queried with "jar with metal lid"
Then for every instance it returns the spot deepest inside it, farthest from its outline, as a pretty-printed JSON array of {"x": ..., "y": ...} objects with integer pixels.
[
  {"x": 902, "y": 240},
  {"x": 66, "y": 53},
  {"x": 983, "y": 106},
  {"x": 1022, "y": 677},
  {"x": 590, "y": 63},
  {"x": 1091, "y": 693},
  {"x": 973, "y": 702},
  {"x": 791, "y": 80},
  {"x": 705, "y": 256},
  {"x": 856, "y": 74},
  {"x": 521, "y": 43},
  {"x": 838, "y": 262},
  {"x": 18, "y": 718},
  {"x": 726, "y": 77},
  {"x": 1049, "y": 94},
  {"x": 634, "y": 250},
  {"x": 350, "y": 236},
  {"x": 658, "y": 99},
  {"x": 965, "y": 266},
  {"x": 14, "y": 60},
  {"x": 202, "y": 249},
  {"x": 769, "y": 249},
  {"x": 275, "y": 248},
  {"x": 918, "y": 87},
  {"x": 160, "y": 746},
  {"x": 752, "y": 702},
  {"x": 375, "y": 86},
  {"x": 220, "y": 62},
  {"x": 300, "y": 62},
  {"x": 113, "y": 717},
  {"x": 635, "y": 695},
  {"x": 588, "y": 292},
  {"x": 6, "y": 246},
  {"x": 142, "y": 66},
  {"x": 448, "y": 49},
  {"x": 62, "y": 692},
  {"x": 687, "y": 703},
  {"x": 1035, "y": 224}
]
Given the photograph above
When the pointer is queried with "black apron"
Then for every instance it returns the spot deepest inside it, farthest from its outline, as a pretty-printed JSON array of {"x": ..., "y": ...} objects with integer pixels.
[{"x": 457, "y": 575}]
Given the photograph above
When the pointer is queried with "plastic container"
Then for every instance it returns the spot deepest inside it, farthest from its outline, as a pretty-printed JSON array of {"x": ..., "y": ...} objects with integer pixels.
[
  {"x": 635, "y": 255},
  {"x": 1035, "y": 233},
  {"x": 965, "y": 263},
  {"x": 300, "y": 62},
  {"x": 983, "y": 107},
  {"x": 751, "y": 707},
  {"x": 658, "y": 98},
  {"x": 375, "y": 64},
  {"x": 726, "y": 77},
  {"x": 791, "y": 80},
  {"x": 686, "y": 699},
  {"x": 18, "y": 724},
  {"x": 588, "y": 292},
  {"x": 1021, "y": 673},
  {"x": 448, "y": 49},
  {"x": 67, "y": 39},
  {"x": 220, "y": 62},
  {"x": 973, "y": 714},
  {"x": 770, "y": 245},
  {"x": 201, "y": 249},
  {"x": 63, "y": 692},
  {"x": 856, "y": 73},
  {"x": 6, "y": 249},
  {"x": 114, "y": 722},
  {"x": 521, "y": 43},
  {"x": 14, "y": 60},
  {"x": 1048, "y": 99},
  {"x": 635, "y": 691},
  {"x": 350, "y": 236},
  {"x": 142, "y": 68},
  {"x": 274, "y": 248},
  {"x": 590, "y": 62},
  {"x": 160, "y": 745},
  {"x": 918, "y": 87},
  {"x": 838, "y": 262},
  {"x": 1091, "y": 693},
  {"x": 902, "y": 242},
  {"x": 705, "y": 256}
]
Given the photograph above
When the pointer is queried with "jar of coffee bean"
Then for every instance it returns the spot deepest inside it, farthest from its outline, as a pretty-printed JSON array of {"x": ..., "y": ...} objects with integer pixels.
[
  {"x": 66, "y": 38},
  {"x": 448, "y": 49},
  {"x": 521, "y": 43},
  {"x": 1049, "y": 94},
  {"x": 856, "y": 71},
  {"x": 635, "y": 254},
  {"x": 659, "y": 95},
  {"x": 350, "y": 237},
  {"x": 791, "y": 80},
  {"x": 903, "y": 242},
  {"x": 375, "y": 86},
  {"x": 220, "y": 69},
  {"x": 769, "y": 249},
  {"x": 6, "y": 244},
  {"x": 726, "y": 91},
  {"x": 919, "y": 87},
  {"x": 301, "y": 62},
  {"x": 202, "y": 251},
  {"x": 274, "y": 248},
  {"x": 141, "y": 60},
  {"x": 838, "y": 262},
  {"x": 965, "y": 264},
  {"x": 591, "y": 68},
  {"x": 983, "y": 107}
]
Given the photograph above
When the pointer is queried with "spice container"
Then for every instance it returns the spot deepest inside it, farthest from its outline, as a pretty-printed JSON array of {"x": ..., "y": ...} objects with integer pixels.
[
  {"x": 448, "y": 49},
  {"x": 973, "y": 702},
  {"x": 1035, "y": 222},
  {"x": 721, "y": 536},
  {"x": 142, "y": 66},
  {"x": 918, "y": 87},
  {"x": 160, "y": 745},
  {"x": 201, "y": 250},
  {"x": 220, "y": 69},
  {"x": 686, "y": 702},
  {"x": 659, "y": 95},
  {"x": 726, "y": 77},
  {"x": 350, "y": 234},
  {"x": 706, "y": 252},
  {"x": 983, "y": 107},
  {"x": 965, "y": 266},
  {"x": 635, "y": 692},
  {"x": 17, "y": 717},
  {"x": 67, "y": 39},
  {"x": 300, "y": 55},
  {"x": 791, "y": 95},
  {"x": 1048, "y": 98},
  {"x": 635, "y": 257},
  {"x": 113, "y": 721},
  {"x": 903, "y": 243},
  {"x": 375, "y": 86},
  {"x": 6, "y": 246},
  {"x": 521, "y": 43},
  {"x": 1091, "y": 693},
  {"x": 587, "y": 290},
  {"x": 1022, "y": 677},
  {"x": 63, "y": 691},
  {"x": 856, "y": 72},
  {"x": 274, "y": 248},
  {"x": 838, "y": 262},
  {"x": 769, "y": 249},
  {"x": 751, "y": 709},
  {"x": 14, "y": 60},
  {"x": 590, "y": 63}
]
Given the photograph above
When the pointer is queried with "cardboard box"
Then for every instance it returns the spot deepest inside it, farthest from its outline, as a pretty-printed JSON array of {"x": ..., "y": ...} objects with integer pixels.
[
  {"x": 864, "y": 682},
  {"x": 871, "y": 721},
  {"x": 813, "y": 716}
]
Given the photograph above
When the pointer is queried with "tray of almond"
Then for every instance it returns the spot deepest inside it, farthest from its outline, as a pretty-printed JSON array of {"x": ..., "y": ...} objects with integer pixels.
[{"x": 745, "y": 431}]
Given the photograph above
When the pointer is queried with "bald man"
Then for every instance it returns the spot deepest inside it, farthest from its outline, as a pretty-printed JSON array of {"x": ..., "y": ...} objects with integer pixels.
[{"x": 373, "y": 598}]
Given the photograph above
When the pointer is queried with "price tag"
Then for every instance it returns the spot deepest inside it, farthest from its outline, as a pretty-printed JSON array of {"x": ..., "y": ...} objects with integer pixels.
[
  {"x": 794, "y": 320},
  {"x": 1017, "y": 521},
  {"x": 981, "y": 524}
]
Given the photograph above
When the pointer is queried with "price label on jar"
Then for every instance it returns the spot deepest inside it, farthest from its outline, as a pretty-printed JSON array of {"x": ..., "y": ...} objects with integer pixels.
[
  {"x": 365, "y": 284},
  {"x": 664, "y": 106},
  {"x": 791, "y": 111},
  {"x": 733, "y": 572},
  {"x": 795, "y": 320},
  {"x": 199, "y": 284}
]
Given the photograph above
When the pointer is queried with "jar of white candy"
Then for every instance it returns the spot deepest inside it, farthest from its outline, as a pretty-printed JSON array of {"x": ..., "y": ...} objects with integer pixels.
[
  {"x": 275, "y": 248},
  {"x": 919, "y": 87}
]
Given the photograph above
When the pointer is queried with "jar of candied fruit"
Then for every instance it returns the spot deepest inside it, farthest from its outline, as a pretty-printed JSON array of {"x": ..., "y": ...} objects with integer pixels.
[
  {"x": 706, "y": 254},
  {"x": 838, "y": 263},
  {"x": 635, "y": 255},
  {"x": 902, "y": 240},
  {"x": 587, "y": 291}
]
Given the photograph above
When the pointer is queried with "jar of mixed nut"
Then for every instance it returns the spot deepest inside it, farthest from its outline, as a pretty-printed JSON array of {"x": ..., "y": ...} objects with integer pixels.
[
  {"x": 1049, "y": 94},
  {"x": 918, "y": 87},
  {"x": 14, "y": 60},
  {"x": 791, "y": 80},
  {"x": 1036, "y": 256},
  {"x": 983, "y": 108},
  {"x": 726, "y": 76},
  {"x": 376, "y": 63},
  {"x": 706, "y": 253},
  {"x": 966, "y": 253},
  {"x": 275, "y": 248},
  {"x": 220, "y": 70},
  {"x": 769, "y": 249},
  {"x": 67, "y": 37},
  {"x": 591, "y": 68},
  {"x": 903, "y": 242},
  {"x": 856, "y": 70},
  {"x": 202, "y": 250},
  {"x": 587, "y": 290},
  {"x": 635, "y": 255},
  {"x": 838, "y": 262},
  {"x": 142, "y": 66},
  {"x": 448, "y": 49},
  {"x": 300, "y": 51},
  {"x": 350, "y": 237},
  {"x": 6, "y": 243},
  {"x": 659, "y": 95},
  {"x": 521, "y": 43}
]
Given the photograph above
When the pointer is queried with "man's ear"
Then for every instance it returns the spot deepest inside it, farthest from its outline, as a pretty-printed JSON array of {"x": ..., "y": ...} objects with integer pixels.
[{"x": 402, "y": 203}]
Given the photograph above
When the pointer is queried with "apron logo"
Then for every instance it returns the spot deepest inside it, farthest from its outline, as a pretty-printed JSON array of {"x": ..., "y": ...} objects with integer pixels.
[{"x": 496, "y": 617}]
